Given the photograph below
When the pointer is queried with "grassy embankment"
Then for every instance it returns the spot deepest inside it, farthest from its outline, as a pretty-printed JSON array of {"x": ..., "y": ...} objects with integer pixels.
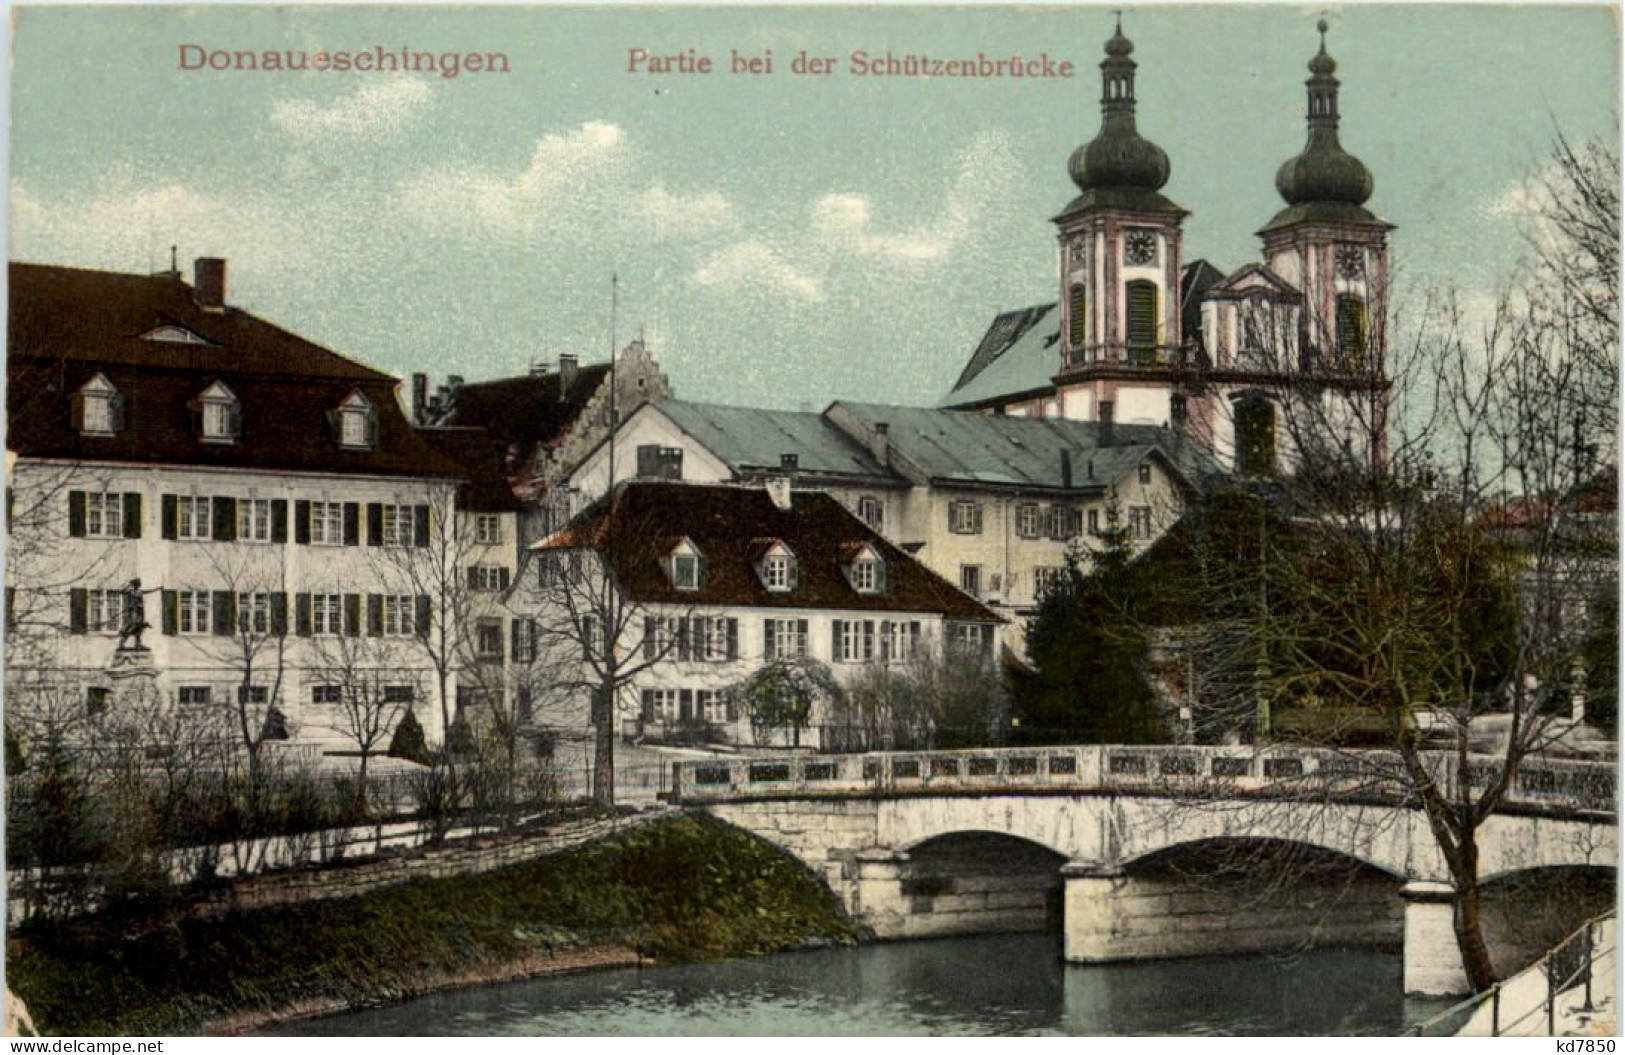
[{"x": 676, "y": 890}]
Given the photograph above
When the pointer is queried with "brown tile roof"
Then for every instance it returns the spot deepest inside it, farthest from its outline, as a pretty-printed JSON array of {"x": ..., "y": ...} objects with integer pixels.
[
  {"x": 643, "y": 521},
  {"x": 532, "y": 410},
  {"x": 68, "y": 325},
  {"x": 486, "y": 489}
]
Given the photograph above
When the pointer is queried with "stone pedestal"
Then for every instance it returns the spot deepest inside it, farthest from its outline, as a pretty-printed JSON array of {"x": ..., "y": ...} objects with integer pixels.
[
  {"x": 879, "y": 901},
  {"x": 1092, "y": 905},
  {"x": 1432, "y": 959},
  {"x": 131, "y": 663}
]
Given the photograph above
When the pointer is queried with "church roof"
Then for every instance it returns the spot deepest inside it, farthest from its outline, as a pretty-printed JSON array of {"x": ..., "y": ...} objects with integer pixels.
[{"x": 1017, "y": 355}]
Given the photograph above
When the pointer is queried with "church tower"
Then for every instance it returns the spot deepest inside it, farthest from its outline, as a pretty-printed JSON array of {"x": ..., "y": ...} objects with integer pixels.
[
  {"x": 1328, "y": 246},
  {"x": 1120, "y": 252}
]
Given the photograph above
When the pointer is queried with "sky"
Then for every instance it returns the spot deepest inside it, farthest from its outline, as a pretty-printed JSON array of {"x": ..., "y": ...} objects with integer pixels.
[{"x": 780, "y": 239}]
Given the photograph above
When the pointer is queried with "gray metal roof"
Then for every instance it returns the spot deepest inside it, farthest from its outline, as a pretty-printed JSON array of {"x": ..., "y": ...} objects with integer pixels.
[
  {"x": 752, "y": 438},
  {"x": 1018, "y": 354},
  {"x": 988, "y": 449}
]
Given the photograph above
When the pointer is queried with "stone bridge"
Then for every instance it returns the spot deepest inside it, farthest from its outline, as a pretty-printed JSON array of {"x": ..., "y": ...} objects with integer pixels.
[{"x": 1142, "y": 852}]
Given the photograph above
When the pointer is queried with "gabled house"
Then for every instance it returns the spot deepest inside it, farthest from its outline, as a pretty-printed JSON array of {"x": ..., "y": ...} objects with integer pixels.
[
  {"x": 725, "y": 578},
  {"x": 251, "y": 480}
]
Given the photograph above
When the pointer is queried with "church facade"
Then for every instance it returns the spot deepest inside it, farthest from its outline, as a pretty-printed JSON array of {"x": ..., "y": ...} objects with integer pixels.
[{"x": 1258, "y": 365}]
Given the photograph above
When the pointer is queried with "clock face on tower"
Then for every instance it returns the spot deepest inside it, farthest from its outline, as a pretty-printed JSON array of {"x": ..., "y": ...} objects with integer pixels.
[
  {"x": 1140, "y": 247},
  {"x": 1350, "y": 262}
]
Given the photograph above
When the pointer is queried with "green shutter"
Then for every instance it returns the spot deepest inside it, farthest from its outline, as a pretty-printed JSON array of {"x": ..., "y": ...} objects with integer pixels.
[
  {"x": 132, "y": 514},
  {"x": 1078, "y": 322},
  {"x": 76, "y": 514},
  {"x": 1142, "y": 314},
  {"x": 1352, "y": 337}
]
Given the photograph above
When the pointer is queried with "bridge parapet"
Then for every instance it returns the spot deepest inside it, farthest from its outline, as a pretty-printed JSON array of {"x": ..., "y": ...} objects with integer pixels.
[{"x": 1568, "y": 786}]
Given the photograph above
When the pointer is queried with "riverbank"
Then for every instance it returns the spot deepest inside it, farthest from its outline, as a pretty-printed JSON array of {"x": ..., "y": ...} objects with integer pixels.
[{"x": 676, "y": 890}]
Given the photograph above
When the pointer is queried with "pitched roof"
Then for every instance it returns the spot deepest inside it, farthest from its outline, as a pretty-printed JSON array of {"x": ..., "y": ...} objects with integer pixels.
[
  {"x": 536, "y": 409},
  {"x": 637, "y": 526},
  {"x": 1017, "y": 355},
  {"x": 955, "y": 446},
  {"x": 68, "y": 325},
  {"x": 749, "y": 438},
  {"x": 486, "y": 488}
]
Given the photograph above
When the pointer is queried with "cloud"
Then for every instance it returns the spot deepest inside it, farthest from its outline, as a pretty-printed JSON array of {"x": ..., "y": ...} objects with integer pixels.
[
  {"x": 562, "y": 169},
  {"x": 667, "y": 214},
  {"x": 754, "y": 265},
  {"x": 131, "y": 229},
  {"x": 376, "y": 110}
]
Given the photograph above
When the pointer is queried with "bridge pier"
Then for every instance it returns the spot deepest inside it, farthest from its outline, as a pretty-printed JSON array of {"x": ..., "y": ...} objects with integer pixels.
[
  {"x": 1432, "y": 958},
  {"x": 1094, "y": 927},
  {"x": 878, "y": 900}
]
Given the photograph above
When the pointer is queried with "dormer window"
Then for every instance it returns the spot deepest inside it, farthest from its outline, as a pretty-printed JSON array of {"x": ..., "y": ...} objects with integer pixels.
[
  {"x": 97, "y": 408},
  {"x": 779, "y": 569},
  {"x": 867, "y": 571},
  {"x": 357, "y": 423},
  {"x": 217, "y": 416},
  {"x": 686, "y": 566},
  {"x": 173, "y": 335}
]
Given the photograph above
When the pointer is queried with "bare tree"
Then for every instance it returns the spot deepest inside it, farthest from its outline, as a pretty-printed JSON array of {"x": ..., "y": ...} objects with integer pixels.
[{"x": 372, "y": 690}]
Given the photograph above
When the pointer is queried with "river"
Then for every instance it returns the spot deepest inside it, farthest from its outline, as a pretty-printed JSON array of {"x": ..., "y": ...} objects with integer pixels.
[{"x": 994, "y": 985}]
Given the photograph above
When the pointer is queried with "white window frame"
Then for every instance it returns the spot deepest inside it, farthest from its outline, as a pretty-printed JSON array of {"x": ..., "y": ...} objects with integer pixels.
[
  {"x": 104, "y": 514},
  {"x": 488, "y": 632},
  {"x": 1029, "y": 520},
  {"x": 326, "y": 695},
  {"x": 970, "y": 579},
  {"x": 398, "y": 523},
  {"x": 400, "y": 612},
  {"x": 217, "y": 421},
  {"x": 1044, "y": 577},
  {"x": 253, "y": 613},
  {"x": 98, "y": 417},
  {"x": 711, "y": 705},
  {"x": 665, "y": 705},
  {"x": 488, "y": 528},
  {"x": 1139, "y": 521},
  {"x": 326, "y": 523},
  {"x": 1145, "y": 472},
  {"x": 685, "y": 571},
  {"x": 194, "y": 518},
  {"x": 326, "y": 614},
  {"x": 776, "y": 572},
  {"x": 253, "y": 520},
  {"x": 872, "y": 511},
  {"x": 866, "y": 575},
  {"x": 901, "y": 641},
  {"x": 353, "y": 427},
  {"x": 104, "y": 611},
  {"x": 788, "y": 640},
  {"x": 486, "y": 578},
  {"x": 965, "y": 517},
  {"x": 711, "y": 644},
  {"x": 857, "y": 642},
  {"x": 193, "y": 695},
  {"x": 193, "y": 609}
]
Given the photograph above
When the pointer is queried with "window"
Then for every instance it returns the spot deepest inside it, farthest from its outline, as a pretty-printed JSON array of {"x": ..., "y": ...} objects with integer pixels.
[
  {"x": 487, "y": 578},
  {"x": 357, "y": 423},
  {"x": 591, "y": 635},
  {"x": 785, "y": 638},
  {"x": 1353, "y": 325},
  {"x": 970, "y": 579},
  {"x": 900, "y": 641},
  {"x": 660, "y": 705},
  {"x": 397, "y": 612},
  {"x": 686, "y": 572},
  {"x": 254, "y": 520},
  {"x": 194, "y": 518},
  {"x": 97, "y": 408},
  {"x": 660, "y": 463},
  {"x": 104, "y": 515},
  {"x": 324, "y": 694},
  {"x": 254, "y": 613},
  {"x": 399, "y": 694},
  {"x": 866, "y": 575},
  {"x": 104, "y": 610},
  {"x": 327, "y": 523},
  {"x": 1141, "y": 296},
  {"x": 1064, "y": 522},
  {"x": 776, "y": 572},
  {"x": 97, "y": 699},
  {"x": 1094, "y": 521},
  {"x": 854, "y": 640},
  {"x": 972, "y": 638},
  {"x": 396, "y": 525},
  {"x": 193, "y": 611},
  {"x": 1139, "y": 521},
  {"x": 1077, "y": 320},
  {"x": 218, "y": 415},
  {"x": 711, "y": 705},
  {"x": 327, "y": 613},
  {"x": 253, "y": 694},
  {"x": 1047, "y": 580},
  {"x": 965, "y": 518},
  {"x": 524, "y": 640},
  {"x": 193, "y": 695},
  {"x": 1028, "y": 516},
  {"x": 1145, "y": 472},
  {"x": 714, "y": 639},
  {"x": 1255, "y": 438},
  {"x": 872, "y": 512},
  {"x": 488, "y": 639},
  {"x": 487, "y": 529}
]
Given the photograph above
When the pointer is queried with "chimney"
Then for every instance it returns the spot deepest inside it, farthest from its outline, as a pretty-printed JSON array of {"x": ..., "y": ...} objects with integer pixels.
[
  {"x": 880, "y": 444},
  {"x": 790, "y": 462},
  {"x": 778, "y": 490},
  {"x": 538, "y": 368},
  {"x": 420, "y": 399},
  {"x": 209, "y": 283},
  {"x": 568, "y": 364},
  {"x": 1107, "y": 433},
  {"x": 1066, "y": 470}
]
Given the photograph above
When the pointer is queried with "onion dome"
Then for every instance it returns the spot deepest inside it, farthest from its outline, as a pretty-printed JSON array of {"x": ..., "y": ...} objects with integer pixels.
[
  {"x": 1324, "y": 174},
  {"x": 1119, "y": 158}
]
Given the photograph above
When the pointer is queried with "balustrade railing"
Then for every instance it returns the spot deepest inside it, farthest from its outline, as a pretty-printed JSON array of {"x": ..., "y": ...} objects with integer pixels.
[{"x": 1296, "y": 772}]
